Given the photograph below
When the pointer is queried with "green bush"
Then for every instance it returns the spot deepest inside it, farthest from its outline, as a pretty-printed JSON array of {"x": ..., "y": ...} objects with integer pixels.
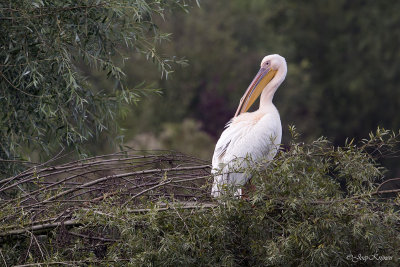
[{"x": 314, "y": 205}]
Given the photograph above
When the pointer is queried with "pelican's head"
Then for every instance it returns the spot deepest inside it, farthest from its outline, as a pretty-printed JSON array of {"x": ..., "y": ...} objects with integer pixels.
[{"x": 271, "y": 74}]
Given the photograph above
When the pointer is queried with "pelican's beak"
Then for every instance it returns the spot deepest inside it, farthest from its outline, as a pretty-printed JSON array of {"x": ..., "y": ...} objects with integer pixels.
[{"x": 263, "y": 77}]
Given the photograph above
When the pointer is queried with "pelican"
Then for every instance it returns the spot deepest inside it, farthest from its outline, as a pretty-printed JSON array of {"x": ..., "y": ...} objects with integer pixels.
[{"x": 250, "y": 134}]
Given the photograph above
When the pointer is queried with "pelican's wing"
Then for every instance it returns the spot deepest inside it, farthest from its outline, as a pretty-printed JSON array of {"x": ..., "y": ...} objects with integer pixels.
[
  {"x": 222, "y": 146},
  {"x": 250, "y": 134},
  {"x": 234, "y": 130},
  {"x": 239, "y": 138},
  {"x": 225, "y": 155}
]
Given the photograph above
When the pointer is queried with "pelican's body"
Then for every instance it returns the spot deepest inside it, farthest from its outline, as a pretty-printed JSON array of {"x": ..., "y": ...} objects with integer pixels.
[{"x": 252, "y": 135}]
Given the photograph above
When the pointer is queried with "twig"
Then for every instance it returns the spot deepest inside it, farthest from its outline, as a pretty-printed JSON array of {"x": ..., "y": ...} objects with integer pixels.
[
  {"x": 385, "y": 192},
  {"x": 38, "y": 245},
  {"x": 6, "y": 181},
  {"x": 40, "y": 227},
  {"x": 13, "y": 86},
  {"x": 355, "y": 197},
  {"x": 146, "y": 190},
  {"x": 387, "y": 181},
  {"x": 29, "y": 248},
  {"x": 94, "y": 237},
  {"x": 185, "y": 205},
  {"x": 2, "y": 256},
  {"x": 71, "y": 263}
]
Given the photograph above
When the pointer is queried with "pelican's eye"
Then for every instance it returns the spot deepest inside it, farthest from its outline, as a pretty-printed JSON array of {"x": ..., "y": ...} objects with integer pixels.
[{"x": 267, "y": 63}]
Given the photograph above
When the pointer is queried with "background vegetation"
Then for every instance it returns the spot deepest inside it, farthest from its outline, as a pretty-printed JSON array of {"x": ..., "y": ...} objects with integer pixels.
[{"x": 344, "y": 67}]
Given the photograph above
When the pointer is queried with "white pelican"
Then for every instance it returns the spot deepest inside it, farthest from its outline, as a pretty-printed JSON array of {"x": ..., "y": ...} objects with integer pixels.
[{"x": 250, "y": 134}]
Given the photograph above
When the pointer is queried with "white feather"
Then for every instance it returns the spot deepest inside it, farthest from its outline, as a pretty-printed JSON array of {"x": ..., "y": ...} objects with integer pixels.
[{"x": 256, "y": 135}]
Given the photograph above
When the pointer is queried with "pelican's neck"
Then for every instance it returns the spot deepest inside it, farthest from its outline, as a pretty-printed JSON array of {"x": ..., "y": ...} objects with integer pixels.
[{"x": 268, "y": 93}]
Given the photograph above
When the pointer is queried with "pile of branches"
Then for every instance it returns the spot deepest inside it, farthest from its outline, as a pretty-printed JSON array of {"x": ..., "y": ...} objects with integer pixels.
[{"x": 47, "y": 196}]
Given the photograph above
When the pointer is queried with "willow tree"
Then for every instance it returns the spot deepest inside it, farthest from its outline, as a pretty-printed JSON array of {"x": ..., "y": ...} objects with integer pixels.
[{"x": 45, "y": 99}]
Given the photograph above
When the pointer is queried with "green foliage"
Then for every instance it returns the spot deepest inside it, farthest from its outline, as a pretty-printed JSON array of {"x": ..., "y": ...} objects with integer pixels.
[
  {"x": 45, "y": 99},
  {"x": 314, "y": 205},
  {"x": 347, "y": 63}
]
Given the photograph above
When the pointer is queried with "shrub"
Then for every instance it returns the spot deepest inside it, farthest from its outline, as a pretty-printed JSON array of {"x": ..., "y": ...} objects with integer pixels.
[{"x": 315, "y": 204}]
